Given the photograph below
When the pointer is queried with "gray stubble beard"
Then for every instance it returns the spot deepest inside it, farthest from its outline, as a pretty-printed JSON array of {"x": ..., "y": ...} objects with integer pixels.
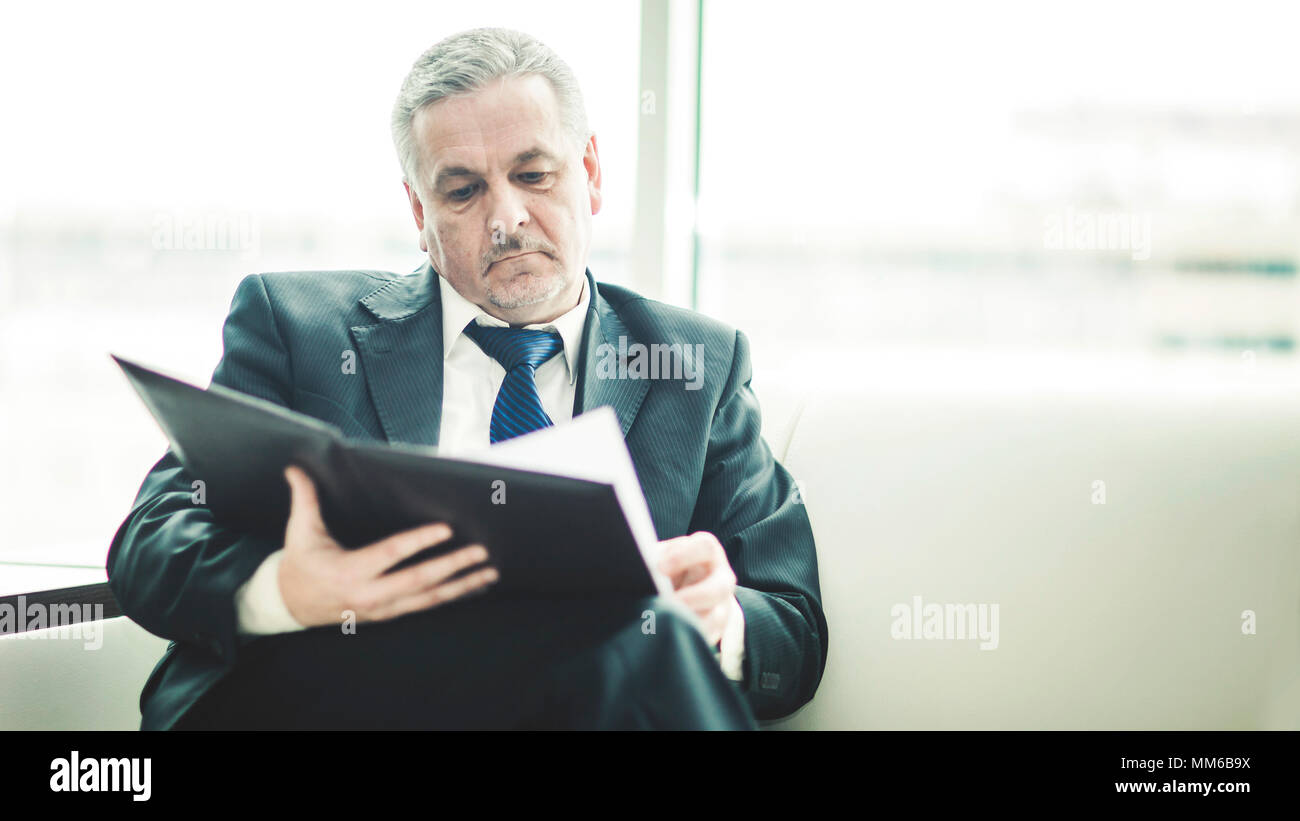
[{"x": 560, "y": 283}]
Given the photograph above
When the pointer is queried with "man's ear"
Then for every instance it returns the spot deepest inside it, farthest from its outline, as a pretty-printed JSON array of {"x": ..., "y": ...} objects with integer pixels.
[
  {"x": 591, "y": 162},
  {"x": 417, "y": 210}
]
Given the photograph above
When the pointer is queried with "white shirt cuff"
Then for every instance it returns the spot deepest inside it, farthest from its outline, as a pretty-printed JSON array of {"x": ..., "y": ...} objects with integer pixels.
[
  {"x": 259, "y": 605},
  {"x": 731, "y": 653}
]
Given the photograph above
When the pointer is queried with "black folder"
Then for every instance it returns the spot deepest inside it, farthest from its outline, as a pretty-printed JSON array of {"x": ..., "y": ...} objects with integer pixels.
[{"x": 553, "y": 534}]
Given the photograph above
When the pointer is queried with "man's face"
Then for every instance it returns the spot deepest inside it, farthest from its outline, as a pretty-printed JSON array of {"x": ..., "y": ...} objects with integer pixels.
[{"x": 504, "y": 199}]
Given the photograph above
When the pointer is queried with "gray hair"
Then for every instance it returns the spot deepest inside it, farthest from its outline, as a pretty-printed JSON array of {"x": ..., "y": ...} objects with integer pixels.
[{"x": 468, "y": 61}]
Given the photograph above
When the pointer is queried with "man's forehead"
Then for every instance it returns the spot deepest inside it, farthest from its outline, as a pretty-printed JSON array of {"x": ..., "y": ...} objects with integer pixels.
[{"x": 507, "y": 122}]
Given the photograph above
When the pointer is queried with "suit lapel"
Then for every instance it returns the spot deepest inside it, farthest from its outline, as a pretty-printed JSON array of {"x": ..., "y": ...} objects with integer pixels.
[
  {"x": 605, "y": 344},
  {"x": 401, "y": 357}
]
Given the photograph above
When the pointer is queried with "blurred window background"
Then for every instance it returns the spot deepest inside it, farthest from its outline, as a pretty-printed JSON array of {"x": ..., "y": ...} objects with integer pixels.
[
  {"x": 926, "y": 193},
  {"x": 1102, "y": 192}
]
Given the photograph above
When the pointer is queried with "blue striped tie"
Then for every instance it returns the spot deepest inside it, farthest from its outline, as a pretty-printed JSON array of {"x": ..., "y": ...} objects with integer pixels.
[{"x": 520, "y": 351}]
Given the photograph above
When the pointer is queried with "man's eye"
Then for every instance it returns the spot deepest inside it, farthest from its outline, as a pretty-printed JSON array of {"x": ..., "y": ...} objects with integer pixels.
[
  {"x": 533, "y": 177},
  {"x": 462, "y": 193}
]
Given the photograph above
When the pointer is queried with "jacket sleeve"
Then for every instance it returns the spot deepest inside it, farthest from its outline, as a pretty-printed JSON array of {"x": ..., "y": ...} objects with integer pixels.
[
  {"x": 749, "y": 501},
  {"x": 173, "y": 570}
]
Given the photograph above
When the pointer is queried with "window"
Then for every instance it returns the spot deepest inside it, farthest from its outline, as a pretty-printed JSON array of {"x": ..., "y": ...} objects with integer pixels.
[{"x": 921, "y": 187}]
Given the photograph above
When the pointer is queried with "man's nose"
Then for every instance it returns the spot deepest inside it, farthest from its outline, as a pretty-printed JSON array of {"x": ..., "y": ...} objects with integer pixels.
[{"x": 507, "y": 213}]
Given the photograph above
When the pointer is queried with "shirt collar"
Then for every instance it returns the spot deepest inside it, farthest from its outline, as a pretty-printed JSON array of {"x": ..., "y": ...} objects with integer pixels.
[{"x": 457, "y": 312}]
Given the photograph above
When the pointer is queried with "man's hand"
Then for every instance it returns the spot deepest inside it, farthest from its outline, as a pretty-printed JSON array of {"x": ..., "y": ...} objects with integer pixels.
[
  {"x": 320, "y": 579},
  {"x": 702, "y": 577}
]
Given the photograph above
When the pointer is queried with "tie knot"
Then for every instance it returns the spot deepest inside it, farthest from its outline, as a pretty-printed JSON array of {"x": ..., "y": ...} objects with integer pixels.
[{"x": 513, "y": 347}]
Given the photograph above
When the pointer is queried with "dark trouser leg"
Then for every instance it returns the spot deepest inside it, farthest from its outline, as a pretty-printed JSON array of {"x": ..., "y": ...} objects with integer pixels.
[
  {"x": 642, "y": 680},
  {"x": 487, "y": 662}
]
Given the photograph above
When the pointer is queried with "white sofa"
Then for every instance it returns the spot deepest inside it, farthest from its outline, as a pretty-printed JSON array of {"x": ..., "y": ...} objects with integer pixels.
[
  {"x": 67, "y": 683},
  {"x": 1122, "y": 615},
  {"x": 1116, "y": 611}
]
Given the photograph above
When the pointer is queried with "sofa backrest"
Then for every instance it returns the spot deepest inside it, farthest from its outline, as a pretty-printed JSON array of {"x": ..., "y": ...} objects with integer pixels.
[{"x": 1126, "y": 541}]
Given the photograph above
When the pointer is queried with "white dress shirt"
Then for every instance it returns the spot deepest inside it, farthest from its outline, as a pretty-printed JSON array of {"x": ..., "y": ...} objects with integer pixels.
[{"x": 471, "y": 380}]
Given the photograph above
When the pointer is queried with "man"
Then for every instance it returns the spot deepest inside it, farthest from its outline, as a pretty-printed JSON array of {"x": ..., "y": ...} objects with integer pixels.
[{"x": 503, "y": 331}]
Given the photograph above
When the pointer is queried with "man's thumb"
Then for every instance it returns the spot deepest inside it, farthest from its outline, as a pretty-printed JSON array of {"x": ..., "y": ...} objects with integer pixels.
[{"x": 304, "y": 507}]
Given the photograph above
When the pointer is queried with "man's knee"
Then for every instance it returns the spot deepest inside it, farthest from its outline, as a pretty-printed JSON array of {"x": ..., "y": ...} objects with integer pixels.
[
  {"x": 660, "y": 615},
  {"x": 665, "y": 637},
  {"x": 656, "y": 671}
]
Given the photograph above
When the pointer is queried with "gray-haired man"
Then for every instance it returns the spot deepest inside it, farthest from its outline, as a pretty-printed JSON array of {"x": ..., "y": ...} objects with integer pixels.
[{"x": 503, "y": 179}]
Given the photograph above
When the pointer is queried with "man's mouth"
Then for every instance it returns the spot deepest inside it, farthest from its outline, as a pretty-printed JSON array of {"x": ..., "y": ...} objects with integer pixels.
[{"x": 515, "y": 256}]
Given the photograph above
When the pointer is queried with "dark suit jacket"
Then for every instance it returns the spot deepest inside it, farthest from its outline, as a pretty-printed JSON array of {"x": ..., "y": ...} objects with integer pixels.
[{"x": 698, "y": 455}]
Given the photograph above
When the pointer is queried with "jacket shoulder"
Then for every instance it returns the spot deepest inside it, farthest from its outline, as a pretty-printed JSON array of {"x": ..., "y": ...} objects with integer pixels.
[
  {"x": 653, "y": 321},
  {"x": 321, "y": 286}
]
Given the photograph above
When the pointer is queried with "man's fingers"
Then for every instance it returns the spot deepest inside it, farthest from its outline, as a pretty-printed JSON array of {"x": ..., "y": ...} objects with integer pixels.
[
  {"x": 705, "y": 595},
  {"x": 383, "y": 554},
  {"x": 692, "y": 575},
  {"x": 419, "y": 578},
  {"x": 716, "y": 622},
  {"x": 681, "y": 553},
  {"x": 304, "y": 507},
  {"x": 440, "y": 594}
]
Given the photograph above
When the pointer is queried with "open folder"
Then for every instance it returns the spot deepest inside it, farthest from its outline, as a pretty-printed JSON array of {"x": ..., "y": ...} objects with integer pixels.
[{"x": 560, "y": 510}]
